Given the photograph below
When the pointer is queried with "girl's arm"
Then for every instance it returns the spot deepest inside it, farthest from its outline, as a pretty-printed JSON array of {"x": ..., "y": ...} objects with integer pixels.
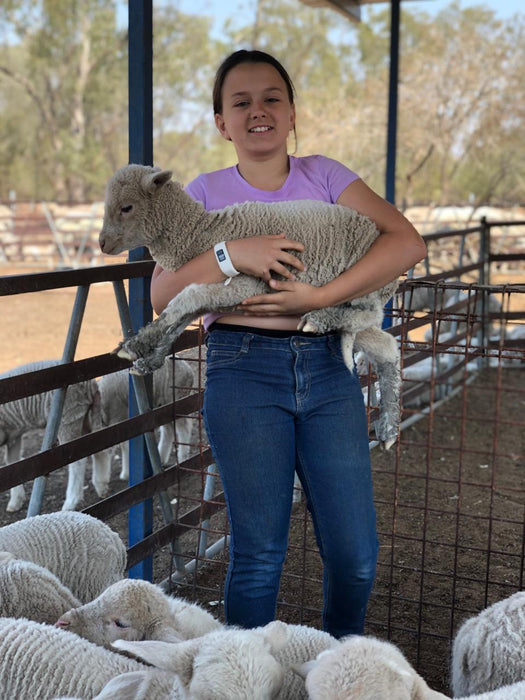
[
  {"x": 398, "y": 247},
  {"x": 255, "y": 256}
]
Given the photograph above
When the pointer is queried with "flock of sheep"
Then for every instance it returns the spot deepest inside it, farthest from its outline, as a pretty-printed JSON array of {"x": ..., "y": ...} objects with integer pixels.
[
  {"x": 72, "y": 626},
  {"x": 91, "y": 405}
]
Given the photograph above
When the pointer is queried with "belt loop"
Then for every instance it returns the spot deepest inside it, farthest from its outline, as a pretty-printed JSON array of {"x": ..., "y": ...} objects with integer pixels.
[{"x": 246, "y": 340}]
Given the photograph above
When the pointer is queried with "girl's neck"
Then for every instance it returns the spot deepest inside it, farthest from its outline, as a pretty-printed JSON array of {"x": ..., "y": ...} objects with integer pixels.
[{"x": 267, "y": 175}]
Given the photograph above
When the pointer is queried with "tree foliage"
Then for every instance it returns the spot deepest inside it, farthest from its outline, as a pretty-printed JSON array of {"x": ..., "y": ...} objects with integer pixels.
[{"x": 63, "y": 91}]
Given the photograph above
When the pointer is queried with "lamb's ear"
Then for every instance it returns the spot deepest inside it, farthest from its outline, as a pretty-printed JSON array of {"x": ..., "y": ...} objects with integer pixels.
[
  {"x": 423, "y": 692},
  {"x": 165, "y": 633},
  {"x": 276, "y": 633},
  {"x": 165, "y": 655},
  {"x": 152, "y": 182},
  {"x": 6, "y": 556},
  {"x": 127, "y": 686},
  {"x": 304, "y": 669}
]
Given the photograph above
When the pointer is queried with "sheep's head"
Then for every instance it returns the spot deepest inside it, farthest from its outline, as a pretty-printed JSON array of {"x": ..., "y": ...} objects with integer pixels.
[
  {"x": 129, "y": 218},
  {"x": 129, "y": 609},
  {"x": 367, "y": 668}
]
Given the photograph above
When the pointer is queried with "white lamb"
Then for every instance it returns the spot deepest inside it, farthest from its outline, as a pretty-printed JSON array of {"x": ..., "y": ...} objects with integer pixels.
[
  {"x": 29, "y": 415},
  {"x": 167, "y": 387},
  {"x": 40, "y": 661},
  {"x": 516, "y": 691},
  {"x": 303, "y": 644},
  {"x": 31, "y": 591},
  {"x": 81, "y": 551},
  {"x": 133, "y": 609},
  {"x": 489, "y": 649},
  {"x": 364, "y": 668},
  {"x": 144, "y": 207},
  {"x": 228, "y": 664}
]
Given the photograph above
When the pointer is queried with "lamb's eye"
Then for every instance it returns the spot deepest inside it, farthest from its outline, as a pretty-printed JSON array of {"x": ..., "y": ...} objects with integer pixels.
[
  {"x": 125, "y": 210},
  {"x": 119, "y": 623}
]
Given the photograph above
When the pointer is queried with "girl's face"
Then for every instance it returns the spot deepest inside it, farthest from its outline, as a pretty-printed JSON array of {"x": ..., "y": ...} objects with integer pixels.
[{"x": 257, "y": 115}]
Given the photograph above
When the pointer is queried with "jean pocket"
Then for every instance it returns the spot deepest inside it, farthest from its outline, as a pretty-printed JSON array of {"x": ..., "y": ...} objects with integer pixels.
[{"x": 217, "y": 357}]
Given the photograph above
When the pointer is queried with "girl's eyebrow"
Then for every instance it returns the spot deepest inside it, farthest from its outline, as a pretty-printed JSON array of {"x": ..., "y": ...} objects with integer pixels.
[{"x": 241, "y": 93}]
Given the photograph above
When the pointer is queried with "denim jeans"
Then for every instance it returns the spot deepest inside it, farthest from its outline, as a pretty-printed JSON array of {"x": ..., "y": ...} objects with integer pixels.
[{"x": 273, "y": 405}]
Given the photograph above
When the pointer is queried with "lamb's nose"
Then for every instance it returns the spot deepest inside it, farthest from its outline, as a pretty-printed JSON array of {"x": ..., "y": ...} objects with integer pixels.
[{"x": 61, "y": 623}]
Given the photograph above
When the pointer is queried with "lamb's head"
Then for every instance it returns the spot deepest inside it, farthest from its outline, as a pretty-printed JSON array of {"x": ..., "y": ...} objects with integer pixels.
[
  {"x": 129, "y": 609},
  {"x": 229, "y": 664},
  {"x": 129, "y": 218},
  {"x": 364, "y": 668}
]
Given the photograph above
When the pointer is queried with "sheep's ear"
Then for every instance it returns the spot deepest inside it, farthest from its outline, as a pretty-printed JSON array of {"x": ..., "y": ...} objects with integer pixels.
[
  {"x": 177, "y": 658},
  {"x": 304, "y": 669},
  {"x": 276, "y": 634},
  {"x": 127, "y": 686},
  {"x": 153, "y": 181},
  {"x": 423, "y": 692},
  {"x": 165, "y": 633},
  {"x": 6, "y": 556}
]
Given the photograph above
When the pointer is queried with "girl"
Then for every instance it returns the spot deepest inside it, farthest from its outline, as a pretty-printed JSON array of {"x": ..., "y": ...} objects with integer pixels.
[{"x": 278, "y": 400}]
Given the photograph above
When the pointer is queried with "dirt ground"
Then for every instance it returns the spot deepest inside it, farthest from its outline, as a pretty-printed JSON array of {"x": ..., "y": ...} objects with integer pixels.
[{"x": 441, "y": 556}]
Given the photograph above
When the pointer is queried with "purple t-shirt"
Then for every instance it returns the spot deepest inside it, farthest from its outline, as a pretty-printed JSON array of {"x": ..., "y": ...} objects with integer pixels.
[{"x": 310, "y": 177}]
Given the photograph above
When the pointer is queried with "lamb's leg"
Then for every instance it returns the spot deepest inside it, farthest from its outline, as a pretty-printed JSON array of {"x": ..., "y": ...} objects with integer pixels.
[
  {"x": 148, "y": 348},
  {"x": 75, "y": 484},
  {"x": 381, "y": 348},
  {"x": 17, "y": 497},
  {"x": 101, "y": 471},
  {"x": 165, "y": 443},
  {"x": 124, "y": 461},
  {"x": 26, "y": 445}
]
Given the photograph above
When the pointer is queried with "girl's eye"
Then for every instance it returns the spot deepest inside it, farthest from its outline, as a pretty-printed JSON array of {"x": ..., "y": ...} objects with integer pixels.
[
  {"x": 120, "y": 624},
  {"x": 125, "y": 210},
  {"x": 241, "y": 104}
]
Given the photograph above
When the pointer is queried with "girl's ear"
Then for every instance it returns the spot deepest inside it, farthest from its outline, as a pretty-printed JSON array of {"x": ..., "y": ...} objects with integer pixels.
[
  {"x": 221, "y": 127},
  {"x": 292, "y": 118}
]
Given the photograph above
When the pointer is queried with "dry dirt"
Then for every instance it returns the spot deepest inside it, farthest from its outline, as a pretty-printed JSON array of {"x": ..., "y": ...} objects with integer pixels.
[{"x": 426, "y": 583}]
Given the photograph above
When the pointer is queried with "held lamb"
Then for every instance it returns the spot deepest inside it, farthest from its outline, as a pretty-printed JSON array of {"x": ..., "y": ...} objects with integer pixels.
[
  {"x": 364, "y": 668},
  {"x": 489, "y": 649},
  {"x": 40, "y": 661},
  {"x": 31, "y": 591},
  {"x": 22, "y": 425},
  {"x": 172, "y": 381},
  {"x": 81, "y": 551},
  {"x": 133, "y": 609},
  {"x": 144, "y": 207}
]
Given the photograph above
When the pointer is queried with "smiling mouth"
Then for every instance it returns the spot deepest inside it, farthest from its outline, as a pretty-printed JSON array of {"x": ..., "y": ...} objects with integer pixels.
[{"x": 260, "y": 129}]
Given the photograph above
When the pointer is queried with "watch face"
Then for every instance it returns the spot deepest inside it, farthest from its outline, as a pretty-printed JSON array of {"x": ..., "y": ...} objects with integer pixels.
[{"x": 220, "y": 255}]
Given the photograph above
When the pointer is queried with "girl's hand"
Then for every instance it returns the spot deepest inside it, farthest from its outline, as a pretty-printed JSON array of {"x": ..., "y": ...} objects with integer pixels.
[
  {"x": 289, "y": 298},
  {"x": 260, "y": 255}
]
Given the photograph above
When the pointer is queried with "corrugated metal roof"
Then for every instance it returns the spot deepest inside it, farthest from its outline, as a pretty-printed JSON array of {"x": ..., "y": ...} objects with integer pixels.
[{"x": 349, "y": 8}]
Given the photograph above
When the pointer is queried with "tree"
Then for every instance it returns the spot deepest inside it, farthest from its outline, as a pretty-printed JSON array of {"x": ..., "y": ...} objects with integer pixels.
[{"x": 72, "y": 52}]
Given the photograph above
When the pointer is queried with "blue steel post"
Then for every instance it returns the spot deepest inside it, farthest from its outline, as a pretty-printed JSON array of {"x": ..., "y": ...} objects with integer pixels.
[
  {"x": 392, "y": 121},
  {"x": 140, "y": 72}
]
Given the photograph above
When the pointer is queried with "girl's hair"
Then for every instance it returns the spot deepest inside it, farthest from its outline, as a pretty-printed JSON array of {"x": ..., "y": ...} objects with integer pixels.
[{"x": 244, "y": 56}]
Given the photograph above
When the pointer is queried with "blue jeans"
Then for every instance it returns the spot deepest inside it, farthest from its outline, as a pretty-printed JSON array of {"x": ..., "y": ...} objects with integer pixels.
[{"x": 273, "y": 405}]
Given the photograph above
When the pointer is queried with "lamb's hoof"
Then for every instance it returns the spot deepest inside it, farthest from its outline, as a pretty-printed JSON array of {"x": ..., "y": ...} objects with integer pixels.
[
  {"x": 388, "y": 444},
  {"x": 137, "y": 372},
  {"x": 14, "y": 507},
  {"x": 309, "y": 328},
  {"x": 126, "y": 354}
]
